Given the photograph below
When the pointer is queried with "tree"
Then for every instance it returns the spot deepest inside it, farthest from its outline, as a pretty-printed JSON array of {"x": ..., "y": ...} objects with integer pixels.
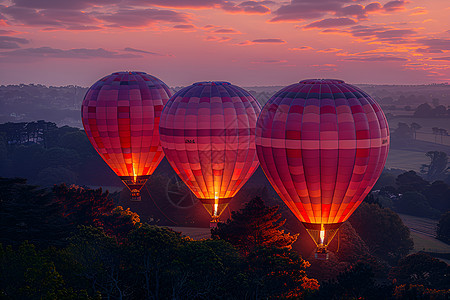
[
  {"x": 424, "y": 110},
  {"x": 277, "y": 273},
  {"x": 355, "y": 283},
  {"x": 410, "y": 181},
  {"x": 82, "y": 206},
  {"x": 402, "y": 134},
  {"x": 119, "y": 222},
  {"x": 383, "y": 231},
  {"x": 435, "y": 132},
  {"x": 254, "y": 225},
  {"x": 99, "y": 259},
  {"x": 443, "y": 228},
  {"x": 150, "y": 252},
  {"x": 414, "y": 127},
  {"x": 438, "y": 195},
  {"x": 29, "y": 213},
  {"x": 437, "y": 169},
  {"x": 26, "y": 273},
  {"x": 416, "y": 291},
  {"x": 415, "y": 204},
  {"x": 421, "y": 268}
]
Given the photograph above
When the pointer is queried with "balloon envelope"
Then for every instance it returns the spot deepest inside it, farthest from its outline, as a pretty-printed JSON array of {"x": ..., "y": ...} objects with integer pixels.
[
  {"x": 208, "y": 135},
  {"x": 322, "y": 144},
  {"x": 120, "y": 115}
]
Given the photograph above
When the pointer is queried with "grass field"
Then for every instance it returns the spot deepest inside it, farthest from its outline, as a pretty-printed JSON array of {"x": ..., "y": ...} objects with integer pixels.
[
  {"x": 426, "y": 243},
  {"x": 426, "y": 123},
  {"x": 425, "y": 133},
  {"x": 406, "y": 160}
]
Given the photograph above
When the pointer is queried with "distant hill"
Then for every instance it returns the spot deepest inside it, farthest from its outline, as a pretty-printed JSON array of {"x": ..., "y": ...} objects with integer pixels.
[{"x": 61, "y": 104}]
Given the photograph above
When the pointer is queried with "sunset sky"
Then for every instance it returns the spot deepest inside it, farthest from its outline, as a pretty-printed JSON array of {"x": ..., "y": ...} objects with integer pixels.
[{"x": 57, "y": 42}]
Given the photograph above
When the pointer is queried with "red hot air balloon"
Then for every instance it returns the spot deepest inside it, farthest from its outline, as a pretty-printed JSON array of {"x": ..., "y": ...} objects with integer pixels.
[
  {"x": 322, "y": 144},
  {"x": 120, "y": 115},
  {"x": 208, "y": 136}
]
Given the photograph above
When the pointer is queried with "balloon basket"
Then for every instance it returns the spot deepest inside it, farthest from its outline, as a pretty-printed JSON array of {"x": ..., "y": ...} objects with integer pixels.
[
  {"x": 213, "y": 222},
  {"x": 321, "y": 253},
  {"x": 135, "y": 195}
]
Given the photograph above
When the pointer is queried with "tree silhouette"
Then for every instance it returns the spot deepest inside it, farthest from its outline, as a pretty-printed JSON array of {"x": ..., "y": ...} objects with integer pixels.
[
  {"x": 82, "y": 206},
  {"x": 443, "y": 228},
  {"x": 437, "y": 168},
  {"x": 29, "y": 213},
  {"x": 383, "y": 231},
  {"x": 414, "y": 127},
  {"x": 421, "y": 268},
  {"x": 255, "y": 225}
]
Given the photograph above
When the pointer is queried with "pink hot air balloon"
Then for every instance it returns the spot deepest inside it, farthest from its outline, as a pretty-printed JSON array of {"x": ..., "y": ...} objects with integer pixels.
[
  {"x": 208, "y": 135},
  {"x": 322, "y": 144},
  {"x": 120, "y": 115}
]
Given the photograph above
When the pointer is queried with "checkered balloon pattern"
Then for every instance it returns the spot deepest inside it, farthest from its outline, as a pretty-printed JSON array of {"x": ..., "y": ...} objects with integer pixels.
[
  {"x": 322, "y": 144},
  {"x": 208, "y": 136},
  {"x": 120, "y": 114}
]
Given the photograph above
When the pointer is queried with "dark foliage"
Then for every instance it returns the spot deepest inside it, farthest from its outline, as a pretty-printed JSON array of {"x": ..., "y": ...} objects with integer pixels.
[
  {"x": 437, "y": 169},
  {"x": 27, "y": 273},
  {"x": 422, "y": 269},
  {"x": 415, "y": 204},
  {"x": 355, "y": 283},
  {"x": 28, "y": 213},
  {"x": 383, "y": 232},
  {"x": 255, "y": 225},
  {"x": 82, "y": 206},
  {"x": 438, "y": 196},
  {"x": 412, "y": 291},
  {"x": 46, "y": 155},
  {"x": 410, "y": 181},
  {"x": 443, "y": 228}
]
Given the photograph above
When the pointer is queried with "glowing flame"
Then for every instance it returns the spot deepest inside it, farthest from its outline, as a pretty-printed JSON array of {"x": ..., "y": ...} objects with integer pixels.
[
  {"x": 216, "y": 205},
  {"x": 322, "y": 236}
]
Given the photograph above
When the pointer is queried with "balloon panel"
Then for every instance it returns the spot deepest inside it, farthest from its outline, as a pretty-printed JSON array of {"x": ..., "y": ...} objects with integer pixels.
[
  {"x": 208, "y": 135},
  {"x": 322, "y": 144},
  {"x": 120, "y": 114}
]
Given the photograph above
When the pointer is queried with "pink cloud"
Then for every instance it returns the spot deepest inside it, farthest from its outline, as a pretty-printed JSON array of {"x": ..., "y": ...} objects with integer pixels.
[
  {"x": 269, "y": 61},
  {"x": 378, "y": 58},
  {"x": 447, "y": 58},
  {"x": 299, "y": 10},
  {"x": 128, "y": 49},
  {"x": 9, "y": 42},
  {"x": 49, "y": 52},
  {"x": 218, "y": 39},
  {"x": 58, "y": 4},
  {"x": 396, "y": 5},
  {"x": 268, "y": 41},
  {"x": 382, "y": 33},
  {"x": 247, "y": 7},
  {"x": 373, "y": 7},
  {"x": 306, "y": 9},
  {"x": 331, "y": 22},
  {"x": 189, "y": 27},
  {"x": 226, "y": 31},
  {"x": 435, "y": 43},
  {"x": 330, "y": 50},
  {"x": 301, "y": 48},
  {"x": 142, "y": 17},
  {"x": 7, "y": 32},
  {"x": 55, "y": 18}
]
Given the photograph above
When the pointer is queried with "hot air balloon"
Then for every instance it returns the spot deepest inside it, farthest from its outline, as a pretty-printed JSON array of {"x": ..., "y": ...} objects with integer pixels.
[
  {"x": 120, "y": 115},
  {"x": 208, "y": 136},
  {"x": 322, "y": 144}
]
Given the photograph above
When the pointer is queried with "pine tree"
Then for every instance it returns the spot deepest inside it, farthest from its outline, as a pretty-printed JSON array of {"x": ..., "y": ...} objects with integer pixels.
[
  {"x": 29, "y": 213},
  {"x": 255, "y": 225},
  {"x": 82, "y": 206}
]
